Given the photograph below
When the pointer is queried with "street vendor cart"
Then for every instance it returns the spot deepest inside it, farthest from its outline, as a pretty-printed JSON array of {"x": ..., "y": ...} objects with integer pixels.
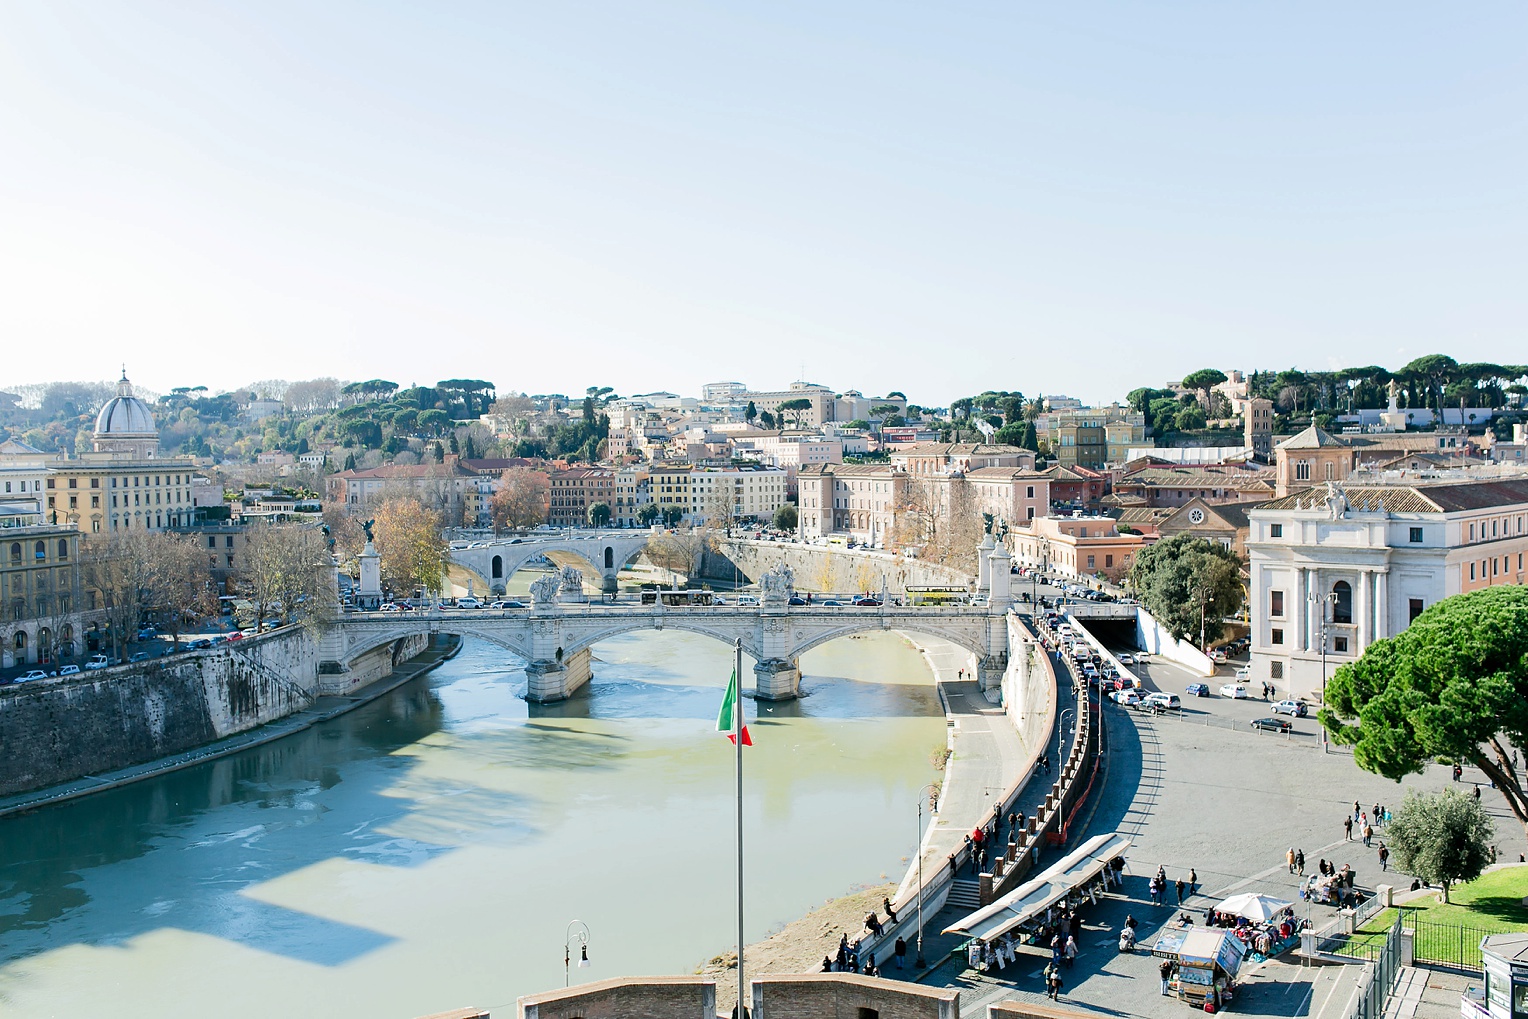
[{"x": 1205, "y": 961}]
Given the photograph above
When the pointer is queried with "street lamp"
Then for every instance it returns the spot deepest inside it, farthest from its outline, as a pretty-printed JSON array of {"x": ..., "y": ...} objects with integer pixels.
[
  {"x": 1319, "y": 602},
  {"x": 926, "y": 793},
  {"x": 580, "y": 938},
  {"x": 1060, "y": 728}
]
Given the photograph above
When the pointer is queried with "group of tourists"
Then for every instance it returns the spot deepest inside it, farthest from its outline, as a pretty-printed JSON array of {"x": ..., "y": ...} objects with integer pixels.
[
  {"x": 1183, "y": 886},
  {"x": 1333, "y": 886}
]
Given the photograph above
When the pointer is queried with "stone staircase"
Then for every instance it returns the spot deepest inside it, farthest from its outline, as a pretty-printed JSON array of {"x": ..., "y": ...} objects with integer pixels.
[{"x": 965, "y": 893}]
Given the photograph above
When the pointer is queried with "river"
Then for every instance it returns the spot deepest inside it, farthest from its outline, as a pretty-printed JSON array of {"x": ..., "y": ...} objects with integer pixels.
[{"x": 428, "y": 850}]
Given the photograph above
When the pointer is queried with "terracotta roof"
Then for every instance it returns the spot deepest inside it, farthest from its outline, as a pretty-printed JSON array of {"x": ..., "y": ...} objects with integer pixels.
[
  {"x": 1010, "y": 473},
  {"x": 1144, "y": 514},
  {"x": 1440, "y": 497},
  {"x": 848, "y": 470},
  {"x": 1311, "y": 438},
  {"x": 390, "y": 471},
  {"x": 954, "y": 449},
  {"x": 1210, "y": 477}
]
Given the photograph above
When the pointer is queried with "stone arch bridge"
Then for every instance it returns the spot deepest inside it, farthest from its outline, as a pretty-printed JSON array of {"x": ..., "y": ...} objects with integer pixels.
[
  {"x": 555, "y": 639},
  {"x": 496, "y": 561}
]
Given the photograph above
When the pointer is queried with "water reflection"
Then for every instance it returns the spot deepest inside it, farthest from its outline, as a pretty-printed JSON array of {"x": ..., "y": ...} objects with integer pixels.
[{"x": 421, "y": 849}]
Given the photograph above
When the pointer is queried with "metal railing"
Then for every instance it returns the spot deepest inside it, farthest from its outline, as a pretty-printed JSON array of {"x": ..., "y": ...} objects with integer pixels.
[
  {"x": 1446, "y": 945},
  {"x": 1378, "y": 977}
]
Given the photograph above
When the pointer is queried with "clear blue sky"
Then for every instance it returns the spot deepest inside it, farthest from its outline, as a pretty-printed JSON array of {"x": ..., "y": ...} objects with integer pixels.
[{"x": 935, "y": 198}]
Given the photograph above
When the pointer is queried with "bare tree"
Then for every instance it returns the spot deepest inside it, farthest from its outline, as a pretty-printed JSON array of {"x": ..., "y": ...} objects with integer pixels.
[
  {"x": 680, "y": 552},
  {"x": 287, "y": 565},
  {"x": 120, "y": 567},
  {"x": 521, "y": 500},
  {"x": 179, "y": 587},
  {"x": 313, "y": 395}
]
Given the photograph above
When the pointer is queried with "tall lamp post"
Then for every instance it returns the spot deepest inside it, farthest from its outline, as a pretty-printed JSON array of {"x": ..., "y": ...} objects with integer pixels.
[
  {"x": 924, "y": 794},
  {"x": 580, "y": 938},
  {"x": 1060, "y": 729},
  {"x": 1319, "y": 603}
]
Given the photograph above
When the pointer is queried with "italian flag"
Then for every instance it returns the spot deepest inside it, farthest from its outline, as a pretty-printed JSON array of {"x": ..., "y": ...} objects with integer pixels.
[{"x": 725, "y": 722}]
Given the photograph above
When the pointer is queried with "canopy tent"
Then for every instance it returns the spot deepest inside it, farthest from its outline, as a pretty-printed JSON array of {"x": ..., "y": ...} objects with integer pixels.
[
  {"x": 1255, "y": 907},
  {"x": 1050, "y": 886}
]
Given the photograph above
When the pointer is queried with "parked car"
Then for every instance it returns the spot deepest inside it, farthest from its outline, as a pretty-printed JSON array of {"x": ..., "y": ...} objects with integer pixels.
[
  {"x": 1244, "y": 674},
  {"x": 139, "y": 656},
  {"x": 31, "y": 675},
  {"x": 1294, "y": 708},
  {"x": 147, "y": 633},
  {"x": 1236, "y": 691},
  {"x": 97, "y": 662},
  {"x": 1125, "y": 658},
  {"x": 69, "y": 670},
  {"x": 1164, "y": 701},
  {"x": 236, "y": 635},
  {"x": 195, "y": 645},
  {"x": 747, "y": 599},
  {"x": 1197, "y": 689},
  {"x": 1218, "y": 655},
  {"x": 468, "y": 603},
  {"x": 1128, "y": 698},
  {"x": 1273, "y": 724}
]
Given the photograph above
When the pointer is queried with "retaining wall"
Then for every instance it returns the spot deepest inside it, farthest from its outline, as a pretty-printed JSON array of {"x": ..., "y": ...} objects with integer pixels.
[
  {"x": 826, "y": 567},
  {"x": 1151, "y": 636},
  {"x": 58, "y": 730}
]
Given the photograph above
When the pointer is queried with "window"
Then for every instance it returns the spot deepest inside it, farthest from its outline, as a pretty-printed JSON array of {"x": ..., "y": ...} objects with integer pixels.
[
  {"x": 1276, "y": 604},
  {"x": 1090, "y": 562},
  {"x": 229, "y": 560},
  {"x": 1342, "y": 603},
  {"x": 1472, "y": 571},
  {"x": 95, "y": 482},
  {"x": 212, "y": 541},
  {"x": 1275, "y": 530},
  {"x": 1340, "y": 645},
  {"x": 1472, "y": 532},
  {"x": 74, "y": 482},
  {"x": 1275, "y": 670},
  {"x": 41, "y": 550},
  {"x": 228, "y": 541},
  {"x": 1276, "y": 636},
  {"x": 1330, "y": 471},
  {"x": 15, "y": 552},
  {"x": 63, "y": 548},
  {"x": 1302, "y": 470},
  {"x": 1031, "y": 493},
  {"x": 1416, "y": 536},
  {"x": 95, "y": 502}
]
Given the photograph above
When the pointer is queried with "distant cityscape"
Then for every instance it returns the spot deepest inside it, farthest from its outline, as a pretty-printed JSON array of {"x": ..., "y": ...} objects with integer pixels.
[{"x": 1353, "y": 499}]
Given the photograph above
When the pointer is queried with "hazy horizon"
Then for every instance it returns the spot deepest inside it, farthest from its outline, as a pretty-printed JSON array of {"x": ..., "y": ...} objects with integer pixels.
[{"x": 878, "y": 197}]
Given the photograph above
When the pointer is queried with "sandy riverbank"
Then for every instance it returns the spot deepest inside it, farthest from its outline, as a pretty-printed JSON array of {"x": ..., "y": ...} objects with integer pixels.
[{"x": 799, "y": 946}]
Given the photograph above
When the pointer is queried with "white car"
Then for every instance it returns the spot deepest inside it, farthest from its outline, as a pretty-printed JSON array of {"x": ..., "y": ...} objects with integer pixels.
[
  {"x": 1295, "y": 709},
  {"x": 1164, "y": 701},
  {"x": 34, "y": 674},
  {"x": 1234, "y": 690},
  {"x": 1127, "y": 697},
  {"x": 1217, "y": 655},
  {"x": 1125, "y": 658},
  {"x": 468, "y": 603},
  {"x": 69, "y": 670},
  {"x": 98, "y": 662}
]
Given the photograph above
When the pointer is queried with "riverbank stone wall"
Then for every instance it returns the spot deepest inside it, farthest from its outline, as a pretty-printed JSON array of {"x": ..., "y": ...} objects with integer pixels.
[{"x": 59, "y": 730}]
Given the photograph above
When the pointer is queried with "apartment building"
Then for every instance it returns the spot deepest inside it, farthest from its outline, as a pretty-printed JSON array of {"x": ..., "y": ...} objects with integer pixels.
[
  {"x": 446, "y": 487},
  {"x": 574, "y": 490},
  {"x": 736, "y": 492},
  {"x": 1095, "y": 436},
  {"x": 931, "y": 458},
  {"x": 1336, "y": 567},
  {"x": 1079, "y": 546},
  {"x": 45, "y": 609},
  {"x": 856, "y": 500}
]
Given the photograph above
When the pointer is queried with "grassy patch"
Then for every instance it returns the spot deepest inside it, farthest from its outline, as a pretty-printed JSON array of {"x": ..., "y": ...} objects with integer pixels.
[{"x": 1492, "y": 903}]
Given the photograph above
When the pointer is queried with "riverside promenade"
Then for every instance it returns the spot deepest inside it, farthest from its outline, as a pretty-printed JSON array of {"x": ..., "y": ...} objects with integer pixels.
[{"x": 321, "y": 710}]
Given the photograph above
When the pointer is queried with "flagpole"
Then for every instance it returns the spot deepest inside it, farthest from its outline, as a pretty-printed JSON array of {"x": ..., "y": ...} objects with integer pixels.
[{"x": 737, "y": 739}]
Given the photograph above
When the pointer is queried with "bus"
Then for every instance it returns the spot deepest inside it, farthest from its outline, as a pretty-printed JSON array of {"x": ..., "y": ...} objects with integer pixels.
[
  {"x": 677, "y": 596},
  {"x": 936, "y": 595}
]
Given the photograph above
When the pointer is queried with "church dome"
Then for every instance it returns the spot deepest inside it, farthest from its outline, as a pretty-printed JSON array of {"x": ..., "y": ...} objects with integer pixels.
[{"x": 125, "y": 415}]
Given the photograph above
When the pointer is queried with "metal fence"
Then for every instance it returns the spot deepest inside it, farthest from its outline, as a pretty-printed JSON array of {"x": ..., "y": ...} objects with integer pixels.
[
  {"x": 1446, "y": 945},
  {"x": 1378, "y": 977}
]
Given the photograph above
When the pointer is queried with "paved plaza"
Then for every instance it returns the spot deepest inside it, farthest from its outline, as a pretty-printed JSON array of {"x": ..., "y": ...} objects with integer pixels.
[{"x": 1205, "y": 791}]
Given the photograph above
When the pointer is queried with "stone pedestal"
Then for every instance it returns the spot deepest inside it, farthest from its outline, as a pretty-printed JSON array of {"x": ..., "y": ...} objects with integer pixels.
[
  {"x": 776, "y": 680},
  {"x": 548, "y": 680},
  {"x": 1000, "y": 572},
  {"x": 369, "y": 595},
  {"x": 983, "y": 567}
]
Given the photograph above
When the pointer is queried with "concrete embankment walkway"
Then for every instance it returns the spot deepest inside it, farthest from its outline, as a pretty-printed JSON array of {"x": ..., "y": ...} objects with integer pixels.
[
  {"x": 321, "y": 710},
  {"x": 987, "y": 756}
]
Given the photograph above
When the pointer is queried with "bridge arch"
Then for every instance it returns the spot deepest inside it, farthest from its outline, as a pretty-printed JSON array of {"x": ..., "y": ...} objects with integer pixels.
[
  {"x": 726, "y": 634},
  {"x": 971, "y": 642},
  {"x": 371, "y": 641}
]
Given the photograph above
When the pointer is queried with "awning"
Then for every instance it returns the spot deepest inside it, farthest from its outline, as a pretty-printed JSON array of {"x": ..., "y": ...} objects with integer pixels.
[{"x": 1043, "y": 891}]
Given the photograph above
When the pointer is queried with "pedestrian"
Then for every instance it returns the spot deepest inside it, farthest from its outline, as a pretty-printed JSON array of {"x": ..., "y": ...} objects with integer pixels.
[
  {"x": 1477, "y": 790},
  {"x": 1055, "y": 985},
  {"x": 1069, "y": 953},
  {"x": 1193, "y": 882},
  {"x": 827, "y": 964},
  {"x": 1377, "y": 814},
  {"x": 1368, "y": 833},
  {"x": 891, "y": 914},
  {"x": 1166, "y": 969},
  {"x": 1384, "y": 857},
  {"x": 1347, "y": 828},
  {"x": 1179, "y": 885},
  {"x": 1289, "y": 857},
  {"x": 1458, "y": 771},
  {"x": 1355, "y": 810},
  {"x": 901, "y": 950},
  {"x": 1300, "y": 862}
]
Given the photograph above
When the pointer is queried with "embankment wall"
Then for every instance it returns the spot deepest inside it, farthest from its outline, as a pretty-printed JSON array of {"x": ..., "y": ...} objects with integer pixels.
[
  {"x": 57, "y": 730},
  {"x": 826, "y": 567}
]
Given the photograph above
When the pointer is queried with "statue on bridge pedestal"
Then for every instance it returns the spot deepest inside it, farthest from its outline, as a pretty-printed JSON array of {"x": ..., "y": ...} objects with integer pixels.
[
  {"x": 544, "y": 590},
  {"x": 570, "y": 584},
  {"x": 776, "y": 585}
]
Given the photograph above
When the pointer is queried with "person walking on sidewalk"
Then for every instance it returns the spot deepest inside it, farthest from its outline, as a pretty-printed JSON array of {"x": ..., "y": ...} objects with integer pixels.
[
  {"x": 1384, "y": 857},
  {"x": 1300, "y": 862},
  {"x": 1180, "y": 885},
  {"x": 1289, "y": 858}
]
